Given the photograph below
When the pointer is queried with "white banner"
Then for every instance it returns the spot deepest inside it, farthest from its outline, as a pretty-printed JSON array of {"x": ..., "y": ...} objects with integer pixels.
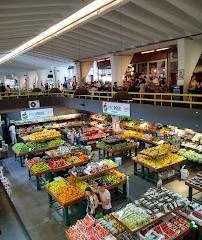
[
  {"x": 116, "y": 109},
  {"x": 36, "y": 114}
]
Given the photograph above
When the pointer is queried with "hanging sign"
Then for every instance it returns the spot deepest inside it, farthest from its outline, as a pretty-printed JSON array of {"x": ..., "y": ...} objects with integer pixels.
[
  {"x": 35, "y": 114},
  {"x": 116, "y": 109}
]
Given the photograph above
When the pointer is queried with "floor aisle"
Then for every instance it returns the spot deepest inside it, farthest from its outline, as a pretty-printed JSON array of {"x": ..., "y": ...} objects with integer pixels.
[{"x": 43, "y": 223}]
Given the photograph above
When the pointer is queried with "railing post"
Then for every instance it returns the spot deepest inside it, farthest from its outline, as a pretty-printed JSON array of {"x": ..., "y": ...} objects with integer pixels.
[
  {"x": 161, "y": 101},
  {"x": 140, "y": 98},
  {"x": 190, "y": 99},
  {"x": 155, "y": 99},
  {"x": 171, "y": 100}
]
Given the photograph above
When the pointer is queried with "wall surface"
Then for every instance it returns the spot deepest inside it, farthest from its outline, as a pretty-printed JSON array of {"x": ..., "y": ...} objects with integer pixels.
[{"x": 181, "y": 117}]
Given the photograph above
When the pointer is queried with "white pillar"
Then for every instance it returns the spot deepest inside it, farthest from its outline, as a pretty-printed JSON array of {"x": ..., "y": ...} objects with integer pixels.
[
  {"x": 119, "y": 65},
  {"x": 31, "y": 79},
  {"x": 3, "y": 79},
  {"x": 189, "y": 52},
  {"x": 22, "y": 81},
  {"x": 42, "y": 75},
  {"x": 78, "y": 73},
  {"x": 95, "y": 73}
]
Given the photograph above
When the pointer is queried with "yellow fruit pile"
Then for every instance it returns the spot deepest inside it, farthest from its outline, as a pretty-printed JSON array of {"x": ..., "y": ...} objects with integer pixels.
[
  {"x": 155, "y": 151},
  {"x": 133, "y": 134},
  {"x": 160, "y": 161},
  {"x": 56, "y": 185},
  {"x": 45, "y": 135},
  {"x": 118, "y": 175}
]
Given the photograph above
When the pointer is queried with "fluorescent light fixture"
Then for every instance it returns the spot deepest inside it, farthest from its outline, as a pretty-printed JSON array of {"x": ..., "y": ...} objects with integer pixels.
[
  {"x": 147, "y": 51},
  {"x": 162, "y": 49},
  {"x": 89, "y": 11}
]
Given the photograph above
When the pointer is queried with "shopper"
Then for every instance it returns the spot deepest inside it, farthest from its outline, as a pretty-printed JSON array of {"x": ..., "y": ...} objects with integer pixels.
[
  {"x": 13, "y": 133},
  {"x": 193, "y": 85},
  {"x": 2, "y": 88},
  {"x": 105, "y": 198},
  {"x": 46, "y": 87},
  {"x": 80, "y": 137},
  {"x": 8, "y": 89},
  {"x": 71, "y": 136},
  {"x": 142, "y": 90},
  {"x": 92, "y": 201},
  {"x": 115, "y": 88}
]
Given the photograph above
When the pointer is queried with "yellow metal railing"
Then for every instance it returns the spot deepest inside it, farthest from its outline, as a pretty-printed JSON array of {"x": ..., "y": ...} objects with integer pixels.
[{"x": 142, "y": 98}]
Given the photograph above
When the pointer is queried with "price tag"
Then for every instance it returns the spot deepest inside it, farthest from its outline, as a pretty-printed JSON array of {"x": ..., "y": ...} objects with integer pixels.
[{"x": 127, "y": 177}]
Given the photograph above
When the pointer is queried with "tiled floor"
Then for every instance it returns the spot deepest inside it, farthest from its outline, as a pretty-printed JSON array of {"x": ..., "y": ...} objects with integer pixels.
[{"x": 43, "y": 223}]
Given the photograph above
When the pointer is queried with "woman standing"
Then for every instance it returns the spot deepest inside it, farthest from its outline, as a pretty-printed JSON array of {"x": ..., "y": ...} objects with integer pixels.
[
  {"x": 80, "y": 137},
  {"x": 92, "y": 201}
]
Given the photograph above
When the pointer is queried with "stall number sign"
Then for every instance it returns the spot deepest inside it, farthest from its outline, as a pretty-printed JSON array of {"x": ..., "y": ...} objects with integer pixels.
[
  {"x": 116, "y": 109},
  {"x": 36, "y": 114}
]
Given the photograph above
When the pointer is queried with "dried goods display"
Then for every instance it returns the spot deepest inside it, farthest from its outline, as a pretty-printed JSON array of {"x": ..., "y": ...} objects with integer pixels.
[
  {"x": 88, "y": 229},
  {"x": 196, "y": 181},
  {"x": 45, "y": 135}
]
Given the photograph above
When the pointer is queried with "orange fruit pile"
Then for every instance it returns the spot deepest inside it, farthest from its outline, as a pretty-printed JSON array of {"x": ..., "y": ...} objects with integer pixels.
[{"x": 69, "y": 194}]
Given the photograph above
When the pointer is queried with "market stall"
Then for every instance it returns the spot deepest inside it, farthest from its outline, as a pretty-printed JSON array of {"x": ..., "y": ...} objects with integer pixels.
[
  {"x": 157, "y": 160},
  {"x": 110, "y": 178},
  {"x": 194, "y": 183},
  {"x": 116, "y": 145},
  {"x": 151, "y": 217}
]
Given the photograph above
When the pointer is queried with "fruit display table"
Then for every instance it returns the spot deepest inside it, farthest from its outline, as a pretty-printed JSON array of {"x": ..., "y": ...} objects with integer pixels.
[
  {"x": 93, "y": 169},
  {"x": 194, "y": 183},
  {"x": 118, "y": 148},
  {"x": 156, "y": 159},
  {"x": 79, "y": 199},
  {"x": 146, "y": 169},
  {"x": 199, "y": 174},
  {"x": 150, "y": 209},
  {"x": 30, "y": 154}
]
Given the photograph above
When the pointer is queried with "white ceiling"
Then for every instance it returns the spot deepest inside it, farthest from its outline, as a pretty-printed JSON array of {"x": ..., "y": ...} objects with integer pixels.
[{"x": 135, "y": 24}]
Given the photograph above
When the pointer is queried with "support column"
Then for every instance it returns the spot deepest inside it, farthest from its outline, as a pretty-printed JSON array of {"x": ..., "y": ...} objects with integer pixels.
[
  {"x": 189, "y": 52},
  {"x": 95, "y": 73},
  {"x": 119, "y": 65},
  {"x": 42, "y": 75},
  {"x": 31, "y": 79},
  {"x": 78, "y": 74},
  {"x": 85, "y": 68}
]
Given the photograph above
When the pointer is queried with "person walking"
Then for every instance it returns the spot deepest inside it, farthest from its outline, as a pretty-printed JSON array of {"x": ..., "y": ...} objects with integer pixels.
[
  {"x": 80, "y": 137},
  {"x": 92, "y": 201},
  {"x": 8, "y": 89},
  {"x": 13, "y": 133},
  {"x": 105, "y": 198},
  {"x": 70, "y": 136}
]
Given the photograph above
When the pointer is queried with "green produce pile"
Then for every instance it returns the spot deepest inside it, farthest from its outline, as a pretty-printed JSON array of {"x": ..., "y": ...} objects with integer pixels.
[
  {"x": 116, "y": 146},
  {"x": 110, "y": 179},
  {"x": 21, "y": 148},
  {"x": 40, "y": 167},
  {"x": 31, "y": 146},
  {"x": 1, "y": 150},
  {"x": 46, "y": 159},
  {"x": 172, "y": 141},
  {"x": 191, "y": 155}
]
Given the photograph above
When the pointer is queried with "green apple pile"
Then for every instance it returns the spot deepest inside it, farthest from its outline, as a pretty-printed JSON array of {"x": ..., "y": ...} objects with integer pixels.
[
  {"x": 55, "y": 142},
  {"x": 118, "y": 227},
  {"x": 110, "y": 179},
  {"x": 83, "y": 185},
  {"x": 21, "y": 148},
  {"x": 40, "y": 167},
  {"x": 56, "y": 185},
  {"x": 116, "y": 146}
]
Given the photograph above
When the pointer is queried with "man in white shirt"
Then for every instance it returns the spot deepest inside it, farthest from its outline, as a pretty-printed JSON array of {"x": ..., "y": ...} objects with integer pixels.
[
  {"x": 105, "y": 198},
  {"x": 13, "y": 133}
]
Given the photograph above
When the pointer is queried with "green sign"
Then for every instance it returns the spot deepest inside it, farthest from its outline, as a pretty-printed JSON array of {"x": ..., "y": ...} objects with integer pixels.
[{"x": 116, "y": 109}]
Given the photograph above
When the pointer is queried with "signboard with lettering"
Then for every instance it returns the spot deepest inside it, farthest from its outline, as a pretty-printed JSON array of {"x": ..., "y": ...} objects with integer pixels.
[
  {"x": 116, "y": 109},
  {"x": 36, "y": 114}
]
